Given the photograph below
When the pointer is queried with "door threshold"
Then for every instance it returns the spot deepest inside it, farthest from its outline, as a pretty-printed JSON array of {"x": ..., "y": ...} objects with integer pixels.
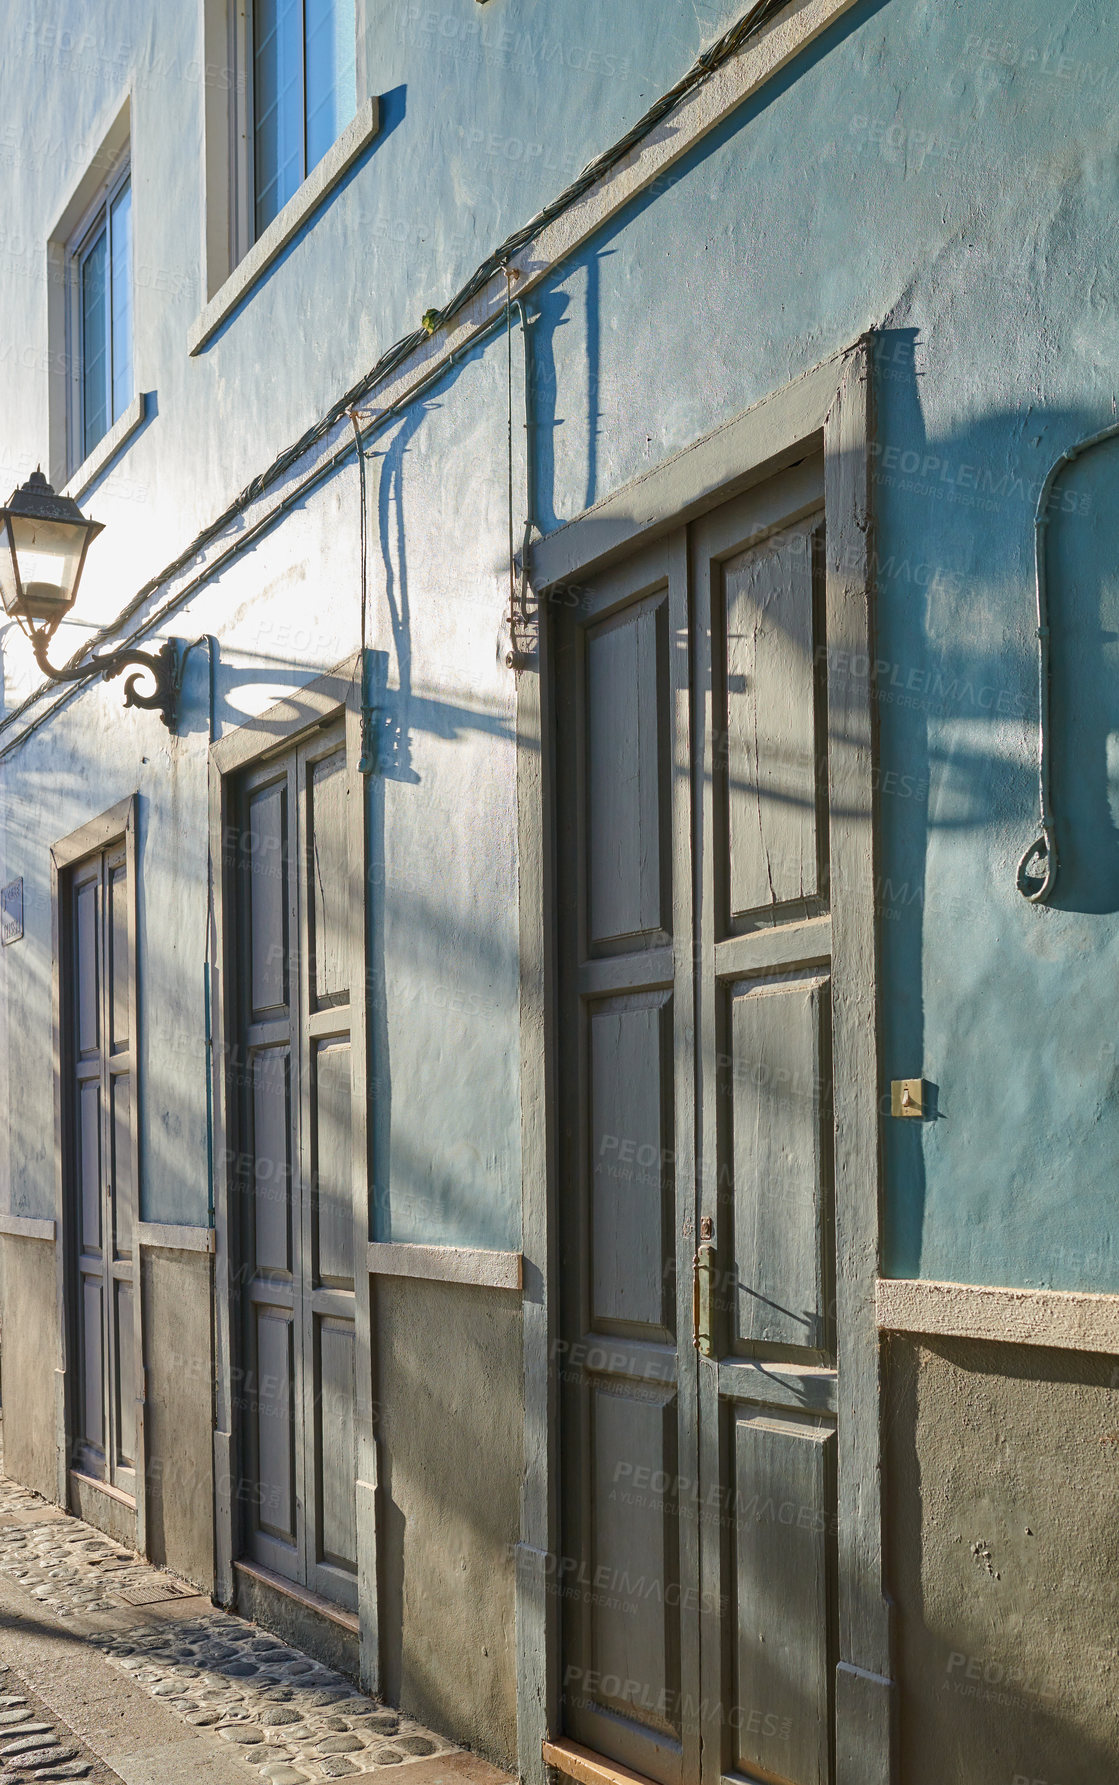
[
  {"x": 347, "y": 1620},
  {"x": 103, "y": 1487},
  {"x": 589, "y": 1768}
]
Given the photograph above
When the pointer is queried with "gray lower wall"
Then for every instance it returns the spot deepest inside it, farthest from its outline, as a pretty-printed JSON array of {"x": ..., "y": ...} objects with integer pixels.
[
  {"x": 116, "y": 1518},
  {"x": 178, "y": 1421},
  {"x": 1003, "y": 1530},
  {"x": 293, "y": 1622},
  {"x": 29, "y": 1358},
  {"x": 449, "y": 1425}
]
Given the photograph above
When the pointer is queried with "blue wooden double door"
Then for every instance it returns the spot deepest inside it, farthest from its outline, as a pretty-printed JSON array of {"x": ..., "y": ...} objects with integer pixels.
[
  {"x": 294, "y": 1227},
  {"x": 99, "y": 1163},
  {"x": 697, "y": 1367}
]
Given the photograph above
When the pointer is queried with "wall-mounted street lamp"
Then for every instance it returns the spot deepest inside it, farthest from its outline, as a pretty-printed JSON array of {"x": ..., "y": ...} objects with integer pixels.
[{"x": 43, "y": 542}]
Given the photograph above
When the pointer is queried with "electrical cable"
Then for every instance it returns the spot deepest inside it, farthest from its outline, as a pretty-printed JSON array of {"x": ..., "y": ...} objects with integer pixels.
[{"x": 701, "y": 70}]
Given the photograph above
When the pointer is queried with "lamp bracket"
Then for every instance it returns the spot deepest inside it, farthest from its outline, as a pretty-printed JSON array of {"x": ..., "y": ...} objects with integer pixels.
[{"x": 165, "y": 667}]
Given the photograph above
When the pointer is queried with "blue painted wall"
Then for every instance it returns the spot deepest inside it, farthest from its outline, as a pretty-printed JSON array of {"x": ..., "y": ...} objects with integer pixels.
[
  {"x": 962, "y": 200},
  {"x": 947, "y": 175}
]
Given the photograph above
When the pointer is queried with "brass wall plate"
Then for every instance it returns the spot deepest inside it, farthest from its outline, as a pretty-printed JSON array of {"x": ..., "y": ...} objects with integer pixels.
[{"x": 907, "y": 1097}]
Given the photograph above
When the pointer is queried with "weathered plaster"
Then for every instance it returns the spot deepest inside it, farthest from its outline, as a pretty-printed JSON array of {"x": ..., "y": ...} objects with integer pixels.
[
  {"x": 1004, "y": 1555},
  {"x": 178, "y": 1415},
  {"x": 448, "y": 1421},
  {"x": 29, "y": 1353}
]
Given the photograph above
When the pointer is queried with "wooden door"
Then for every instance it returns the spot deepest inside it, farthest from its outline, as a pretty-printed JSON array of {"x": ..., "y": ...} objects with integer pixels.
[
  {"x": 292, "y": 1070},
  {"x": 698, "y": 1358},
  {"x": 767, "y": 1380},
  {"x": 99, "y": 1205},
  {"x": 628, "y": 1368}
]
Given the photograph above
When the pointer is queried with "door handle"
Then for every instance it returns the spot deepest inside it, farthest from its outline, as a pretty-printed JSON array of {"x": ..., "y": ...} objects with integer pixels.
[{"x": 703, "y": 1272}]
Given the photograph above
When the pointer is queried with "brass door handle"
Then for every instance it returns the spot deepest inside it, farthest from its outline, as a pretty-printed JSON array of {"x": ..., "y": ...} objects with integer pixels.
[{"x": 703, "y": 1272}]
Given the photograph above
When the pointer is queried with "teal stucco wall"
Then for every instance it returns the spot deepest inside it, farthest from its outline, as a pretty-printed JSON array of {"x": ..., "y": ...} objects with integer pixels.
[{"x": 945, "y": 175}]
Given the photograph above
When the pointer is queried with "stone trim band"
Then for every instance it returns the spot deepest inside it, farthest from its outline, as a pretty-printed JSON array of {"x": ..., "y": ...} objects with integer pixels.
[{"x": 1069, "y": 1320}]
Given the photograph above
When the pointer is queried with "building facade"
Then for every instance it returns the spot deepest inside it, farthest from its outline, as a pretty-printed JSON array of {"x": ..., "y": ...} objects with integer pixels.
[{"x": 560, "y": 1130}]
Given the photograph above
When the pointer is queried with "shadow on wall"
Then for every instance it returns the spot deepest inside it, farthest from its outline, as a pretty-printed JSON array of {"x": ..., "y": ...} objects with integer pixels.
[{"x": 956, "y": 691}]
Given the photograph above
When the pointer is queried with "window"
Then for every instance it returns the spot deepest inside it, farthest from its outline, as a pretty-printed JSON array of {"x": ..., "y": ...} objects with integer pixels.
[
  {"x": 304, "y": 82},
  {"x": 101, "y": 318},
  {"x": 285, "y": 117}
]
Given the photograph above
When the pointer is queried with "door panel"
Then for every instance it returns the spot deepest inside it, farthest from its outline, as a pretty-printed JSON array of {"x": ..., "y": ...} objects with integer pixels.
[
  {"x": 635, "y": 1646},
  {"x": 119, "y": 964},
  {"x": 99, "y": 1204},
  {"x": 124, "y": 1345},
  {"x": 266, "y": 836},
  {"x": 87, "y": 925},
  {"x": 89, "y": 1163},
  {"x": 293, "y": 929},
  {"x": 271, "y": 1145},
  {"x": 627, "y": 728},
  {"x": 329, "y": 913},
  {"x": 784, "y": 1493},
  {"x": 275, "y": 1422},
  {"x": 630, "y": 1062},
  {"x": 92, "y": 1431},
  {"x": 773, "y": 760},
  {"x": 332, "y": 1206},
  {"x": 335, "y": 1385},
  {"x": 780, "y": 1161},
  {"x": 120, "y": 1126}
]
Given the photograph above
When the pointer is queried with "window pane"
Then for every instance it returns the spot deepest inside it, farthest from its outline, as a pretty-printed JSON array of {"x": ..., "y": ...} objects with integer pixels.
[
  {"x": 277, "y": 105},
  {"x": 331, "y": 73},
  {"x": 93, "y": 298},
  {"x": 121, "y": 233}
]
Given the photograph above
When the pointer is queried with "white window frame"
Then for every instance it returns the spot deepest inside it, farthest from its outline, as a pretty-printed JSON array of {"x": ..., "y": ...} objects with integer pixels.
[
  {"x": 68, "y": 470},
  {"x": 229, "y": 226},
  {"x": 81, "y": 241}
]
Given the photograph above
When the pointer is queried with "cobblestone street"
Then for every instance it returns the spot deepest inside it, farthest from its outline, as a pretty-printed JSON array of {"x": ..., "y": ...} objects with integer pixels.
[
  {"x": 35, "y": 1744},
  {"x": 144, "y": 1652}
]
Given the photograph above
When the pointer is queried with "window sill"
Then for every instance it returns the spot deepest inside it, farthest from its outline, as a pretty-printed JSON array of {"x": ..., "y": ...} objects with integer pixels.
[
  {"x": 107, "y": 447},
  {"x": 319, "y": 182}
]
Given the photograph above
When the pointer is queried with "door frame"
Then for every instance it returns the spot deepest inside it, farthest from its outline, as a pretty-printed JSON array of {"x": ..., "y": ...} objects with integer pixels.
[
  {"x": 118, "y": 824},
  {"x": 330, "y": 697},
  {"x": 830, "y": 406}
]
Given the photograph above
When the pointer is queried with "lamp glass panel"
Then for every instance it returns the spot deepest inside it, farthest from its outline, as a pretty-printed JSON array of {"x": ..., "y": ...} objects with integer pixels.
[
  {"x": 9, "y": 581},
  {"x": 49, "y": 554}
]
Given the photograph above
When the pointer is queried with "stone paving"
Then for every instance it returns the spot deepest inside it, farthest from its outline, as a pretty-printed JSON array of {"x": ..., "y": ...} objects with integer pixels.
[
  {"x": 36, "y": 1745},
  {"x": 288, "y": 1717}
]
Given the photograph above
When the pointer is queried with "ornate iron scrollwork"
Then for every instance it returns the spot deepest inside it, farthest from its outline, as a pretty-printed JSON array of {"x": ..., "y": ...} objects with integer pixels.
[{"x": 165, "y": 667}]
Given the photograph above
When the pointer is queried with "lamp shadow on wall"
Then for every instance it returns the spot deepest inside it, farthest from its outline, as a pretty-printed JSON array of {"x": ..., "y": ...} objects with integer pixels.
[{"x": 544, "y": 421}]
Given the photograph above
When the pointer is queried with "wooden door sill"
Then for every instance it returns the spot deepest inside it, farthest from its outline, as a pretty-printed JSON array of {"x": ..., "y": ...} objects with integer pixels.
[
  {"x": 589, "y": 1768},
  {"x": 346, "y": 1620},
  {"x": 104, "y": 1487}
]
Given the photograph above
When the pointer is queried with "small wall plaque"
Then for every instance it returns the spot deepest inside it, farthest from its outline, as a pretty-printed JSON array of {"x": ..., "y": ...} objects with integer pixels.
[{"x": 11, "y": 911}]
